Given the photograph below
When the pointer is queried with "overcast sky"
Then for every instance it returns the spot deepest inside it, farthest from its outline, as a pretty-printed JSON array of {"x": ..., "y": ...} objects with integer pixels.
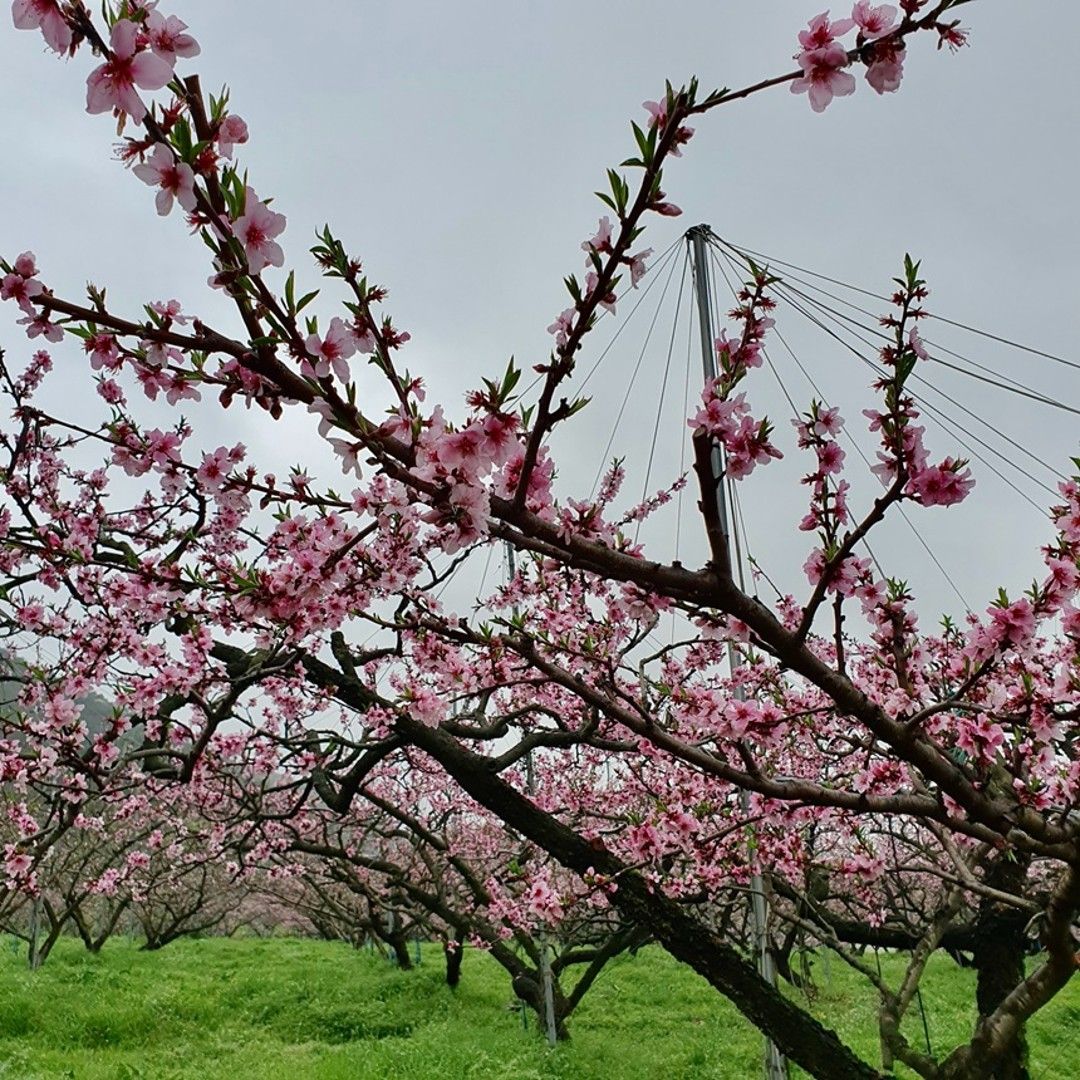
[{"x": 455, "y": 147}]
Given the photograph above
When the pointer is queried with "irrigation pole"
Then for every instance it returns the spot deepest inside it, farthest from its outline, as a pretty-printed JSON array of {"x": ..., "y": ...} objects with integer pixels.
[
  {"x": 547, "y": 984},
  {"x": 775, "y": 1062}
]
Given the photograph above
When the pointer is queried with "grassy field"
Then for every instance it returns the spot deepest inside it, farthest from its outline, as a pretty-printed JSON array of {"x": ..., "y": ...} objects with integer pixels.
[{"x": 286, "y": 1009}]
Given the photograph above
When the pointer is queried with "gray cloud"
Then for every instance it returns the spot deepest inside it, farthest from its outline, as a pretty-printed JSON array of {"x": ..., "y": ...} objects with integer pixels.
[{"x": 454, "y": 148}]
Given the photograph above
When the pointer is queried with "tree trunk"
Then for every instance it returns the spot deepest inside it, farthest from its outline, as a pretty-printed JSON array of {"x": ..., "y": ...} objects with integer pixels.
[
  {"x": 454, "y": 952},
  {"x": 999, "y": 957},
  {"x": 798, "y": 1035},
  {"x": 400, "y": 944},
  {"x": 530, "y": 990}
]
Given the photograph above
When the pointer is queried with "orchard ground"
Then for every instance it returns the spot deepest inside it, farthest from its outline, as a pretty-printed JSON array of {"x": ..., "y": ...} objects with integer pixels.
[{"x": 288, "y": 1008}]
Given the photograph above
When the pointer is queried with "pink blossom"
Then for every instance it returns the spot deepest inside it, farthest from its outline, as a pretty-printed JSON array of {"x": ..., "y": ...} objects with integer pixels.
[
  {"x": 720, "y": 417},
  {"x": 1014, "y": 623},
  {"x": 874, "y": 22},
  {"x": 607, "y": 301},
  {"x": 174, "y": 178},
  {"x": 637, "y": 265},
  {"x": 644, "y": 841},
  {"x": 640, "y": 605},
  {"x": 823, "y": 77},
  {"x": 500, "y": 433},
  {"x": 980, "y": 738},
  {"x": 541, "y": 901},
  {"x": 46, "y": 16},
  {"x": 231, "y": 132},
  {"x": 828, "y": 422},
  {"x": 349, "y": 453},
  {"x": 864, "y": 865},
  {"x": 814, "y": 566},
  {"x": 125, "y": 457},
  {"x": 602, "y": 240},
  {"x": 821, "y": 32},
  {"x": 162, "y": 446},
  {"x": 748, "y": 448},
  {"x": 830, "y": 458},
  {"x": 538, "y": 496},
  {"x": 333, "y": 350},
  {"x": 471, "y": 506},
  {"x": 256, "y": 230},
  {"x": 460, "y": 449},
  {"x": 848, "y": 576},
  {"x": 30, "y": 616},
  {"x": 952, "y": 34},
  {"x": 108, "y": 883},
  {"x": 25, "y": 265},
  {"x": 887, "y": 68},
  {"x": 40, "y": 365},
  {"x": 658, "y": 115},
  {"x": 172, "y": 310},
  {"x": 111, "y": 392},
  {"x": 426, "y": 706},
  {"x": 682, "y": 136},
  {"x": 657, "y": 111},
  {"x": 214, "y": 469},
  {"x": 16, "y": 863},
  {"x": 1063, "y": 581},
  {"x": 21, "y": 290},
  {"x": 561, "y": 327},
  {"x": 665, "y": 209},
  {"x": 325, "y": 411},
  {"x": 152, "y": 380},
  {"x": 113, "y": 84},
  {"x": 871, "y": 596},
  {"x": 158, "y": 353},
  {"x": 37, "y": 325},
  {"x": 739, "y": 715},
  {"x": 941, "y": 485},
  {"x": 167, "y": 38}
]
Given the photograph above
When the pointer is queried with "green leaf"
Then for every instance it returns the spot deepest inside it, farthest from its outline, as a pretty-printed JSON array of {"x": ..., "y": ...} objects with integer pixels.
[
  {"x": 181, "y": 139},
  {"x": 510, "y": 379}
]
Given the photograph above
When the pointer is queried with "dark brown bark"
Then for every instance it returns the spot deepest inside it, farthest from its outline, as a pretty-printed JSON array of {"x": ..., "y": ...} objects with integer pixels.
[
  {"x": 399, "y": 943},
  {"x": 999, "y": 950},
  {"x": 39, "y": 947},
  {"x": 798, "y": 1035},
  {"x": 530, "y": 990},
  {"x": 94, "y": 939},
  {"x": 454, "y": 951},
  {"x": 397, "y": 939}
]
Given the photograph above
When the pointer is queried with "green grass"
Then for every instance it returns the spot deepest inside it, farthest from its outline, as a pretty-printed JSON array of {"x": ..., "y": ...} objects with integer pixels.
[{"x": 287, "y": 1009}]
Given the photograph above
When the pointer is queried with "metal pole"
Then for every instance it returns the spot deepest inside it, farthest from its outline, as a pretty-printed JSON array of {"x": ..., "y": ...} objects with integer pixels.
[
  {"x": 775, "y": 1062},
  {"x": 511, "y": 570},
  {"x": 548, "y": 988},
  {"x": 35, "y": 918}
]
